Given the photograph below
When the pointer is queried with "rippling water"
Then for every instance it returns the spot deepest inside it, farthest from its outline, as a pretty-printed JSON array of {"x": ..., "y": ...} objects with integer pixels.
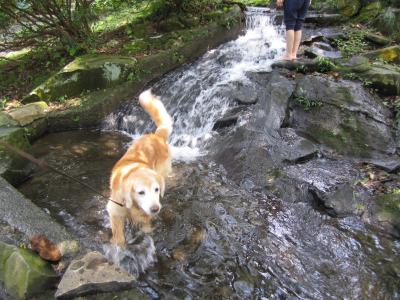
[{"x": 215, "y": 239}]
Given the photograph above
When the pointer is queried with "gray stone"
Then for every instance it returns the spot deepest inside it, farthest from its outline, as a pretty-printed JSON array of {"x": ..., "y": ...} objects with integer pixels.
[
  {"x": 230, "y": 118},
  {"x": 239, "y": 92},
  {"x": 92, "y": 274},
  {"x": 300, "y": 65},
  {"x": 385, "y": 78},
  {"x": 20, "y": 213},
  {"x": 314, "y": 51}
]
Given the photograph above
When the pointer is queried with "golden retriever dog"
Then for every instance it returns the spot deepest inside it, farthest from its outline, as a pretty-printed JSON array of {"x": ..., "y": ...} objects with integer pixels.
[{"x": 138, "y": 178}]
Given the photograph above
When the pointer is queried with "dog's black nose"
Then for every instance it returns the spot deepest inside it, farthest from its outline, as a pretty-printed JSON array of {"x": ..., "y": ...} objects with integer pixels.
[{"x": 155, "y": 209}]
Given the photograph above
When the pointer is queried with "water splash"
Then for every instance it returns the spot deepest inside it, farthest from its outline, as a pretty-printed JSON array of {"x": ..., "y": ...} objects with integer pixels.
[
  {"x": 193, "y": 95},
  {"x": 138, "y": 255}
]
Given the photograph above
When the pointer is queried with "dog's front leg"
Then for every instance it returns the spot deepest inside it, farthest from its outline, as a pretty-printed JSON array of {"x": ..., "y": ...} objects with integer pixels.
[{"x": 117, "y": 227}]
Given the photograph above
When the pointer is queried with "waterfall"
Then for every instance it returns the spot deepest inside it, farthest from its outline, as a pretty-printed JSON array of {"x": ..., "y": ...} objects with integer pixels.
[{"x": 192, "y": 94}]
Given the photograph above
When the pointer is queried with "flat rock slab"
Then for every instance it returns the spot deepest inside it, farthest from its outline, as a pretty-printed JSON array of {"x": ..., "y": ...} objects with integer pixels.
[
  {"x": 92, "y": 274},
  {"x": 28, "y": 113},
  {"x": 22, "y": 214}
]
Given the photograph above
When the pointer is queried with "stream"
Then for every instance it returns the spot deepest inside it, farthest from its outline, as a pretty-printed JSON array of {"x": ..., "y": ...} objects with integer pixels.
[{"x": 220, "y": 234}]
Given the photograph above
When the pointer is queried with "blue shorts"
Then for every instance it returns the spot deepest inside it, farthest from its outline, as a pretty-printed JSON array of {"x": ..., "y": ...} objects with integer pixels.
[{"x": 294, "y": 13}]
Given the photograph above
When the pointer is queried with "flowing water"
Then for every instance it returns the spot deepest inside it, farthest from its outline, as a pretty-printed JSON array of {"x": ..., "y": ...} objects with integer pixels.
[{"x": 215, "y": 239}]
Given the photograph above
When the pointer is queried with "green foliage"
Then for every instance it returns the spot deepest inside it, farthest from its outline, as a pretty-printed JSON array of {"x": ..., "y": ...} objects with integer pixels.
[
  {"x": 325, "y": 64},
  {"x": 388, "y": 21},
  {"x": 354, "y": 43},
  {"x": 307, "y": 103}
]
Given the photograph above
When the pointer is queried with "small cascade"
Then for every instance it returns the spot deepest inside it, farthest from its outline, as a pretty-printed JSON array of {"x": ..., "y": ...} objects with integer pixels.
[{"x": 193, "y": 95}]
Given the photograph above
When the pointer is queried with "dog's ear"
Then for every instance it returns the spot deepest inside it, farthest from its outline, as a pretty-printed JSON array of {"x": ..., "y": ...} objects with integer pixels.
[{"x": 161, "y": 182}]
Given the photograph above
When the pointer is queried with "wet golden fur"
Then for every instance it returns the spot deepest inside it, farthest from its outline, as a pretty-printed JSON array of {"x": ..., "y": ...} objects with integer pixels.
[{"x": 138, "y": 178}]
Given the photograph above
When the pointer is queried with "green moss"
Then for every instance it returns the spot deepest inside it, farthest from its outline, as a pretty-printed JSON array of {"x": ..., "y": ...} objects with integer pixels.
[
  {"x": 369, "y": 12},
  {"x": 389, "y": 208},
  {"x": 347, "y": 140}
]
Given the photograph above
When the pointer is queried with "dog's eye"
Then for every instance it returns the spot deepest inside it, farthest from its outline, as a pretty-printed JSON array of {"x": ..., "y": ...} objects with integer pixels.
[
  {"x": 156, "y": 189},
  {"x": 141, "y": 193}
]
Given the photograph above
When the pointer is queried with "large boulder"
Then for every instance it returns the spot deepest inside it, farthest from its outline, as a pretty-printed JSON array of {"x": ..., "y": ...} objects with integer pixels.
[
  {"x": 347, "y": 119},
  {"x": 24, "y": 274},
  {"x": 86, "y": 73},
  {"x": 387, "y": 211}
]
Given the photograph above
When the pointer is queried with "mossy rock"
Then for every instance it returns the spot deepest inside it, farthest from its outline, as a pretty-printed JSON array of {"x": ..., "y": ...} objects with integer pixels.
[
  {"x": 389, "y": 209},
  {"x": 26, "y": 274},
  {"x": 28, "y": 113},
  {"x": 12, "y": 166},
  {"x": 7, "y": 121},
  {"x": 377, "y": 39},
  {"x": 5, "y": 251},
  {"x": 86, "y": 73},
  {"x": 349, "y": 8},
  {"x": 356, "y": 64},
  {"x": 389, "y": 54},
  {"x": 348, "y": 118},
  {"x": 384, "y": 78}
]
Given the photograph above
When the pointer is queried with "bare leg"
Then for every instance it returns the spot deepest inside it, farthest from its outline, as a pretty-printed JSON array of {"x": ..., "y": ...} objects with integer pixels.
[
  {"x": 289, "y": 45},
  {"x": 117, "y": 226},
  {"x": 296, "y": 44}
]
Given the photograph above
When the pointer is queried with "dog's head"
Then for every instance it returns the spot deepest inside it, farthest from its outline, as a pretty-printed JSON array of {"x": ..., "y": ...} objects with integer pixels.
[{"x": 144, "y": 188}]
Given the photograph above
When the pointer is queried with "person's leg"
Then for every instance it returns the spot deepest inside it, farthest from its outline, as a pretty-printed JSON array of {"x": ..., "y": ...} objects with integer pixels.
[
  {"x": 290, "y": 39},
  {"x": 301, "y": 15},
  {"x": 290, "y": 15},
  {"x": 296, "y": 43}
]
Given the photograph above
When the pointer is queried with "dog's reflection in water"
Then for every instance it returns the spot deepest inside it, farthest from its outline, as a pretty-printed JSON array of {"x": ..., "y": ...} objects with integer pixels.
[{"x": 138, "y": 255}]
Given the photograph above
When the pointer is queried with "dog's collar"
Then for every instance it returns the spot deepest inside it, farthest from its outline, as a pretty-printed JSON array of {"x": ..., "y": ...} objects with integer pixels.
[{"x": 119, "y": 204}]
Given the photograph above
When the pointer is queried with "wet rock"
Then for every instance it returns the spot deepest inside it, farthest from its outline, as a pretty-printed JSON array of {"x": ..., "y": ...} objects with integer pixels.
[
  {"x": 345, "y": 200},
  {"x": 300, "y": 65},
  {"x": 389, "y": 54},
  {"x": 296, "y": 149},
  {"x": 321, "y": 50},
  {"x": 347, "y": 118},
  {"x": 230, "y": 118},
  {"x": 20, "y": 213},
  {"x": 261, "y": 78},
  {"x": 28, "y": 113},
  {"x": 270, "y": 112},
  {"x": 92, "y": 274},
  {"x": 23, "y": 273},
  {"x": 241, "y": 93}
]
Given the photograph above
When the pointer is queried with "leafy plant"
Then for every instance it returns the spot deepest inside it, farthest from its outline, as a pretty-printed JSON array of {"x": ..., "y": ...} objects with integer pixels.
[
  {"x": 325, "y": 64},
  {"x": 307, "y": 102},
  {"x": 353, "y": 43}
]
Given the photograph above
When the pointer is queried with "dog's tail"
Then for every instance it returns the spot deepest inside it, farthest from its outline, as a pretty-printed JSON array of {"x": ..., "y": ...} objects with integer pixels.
[{"x": 155, "y": 108}]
